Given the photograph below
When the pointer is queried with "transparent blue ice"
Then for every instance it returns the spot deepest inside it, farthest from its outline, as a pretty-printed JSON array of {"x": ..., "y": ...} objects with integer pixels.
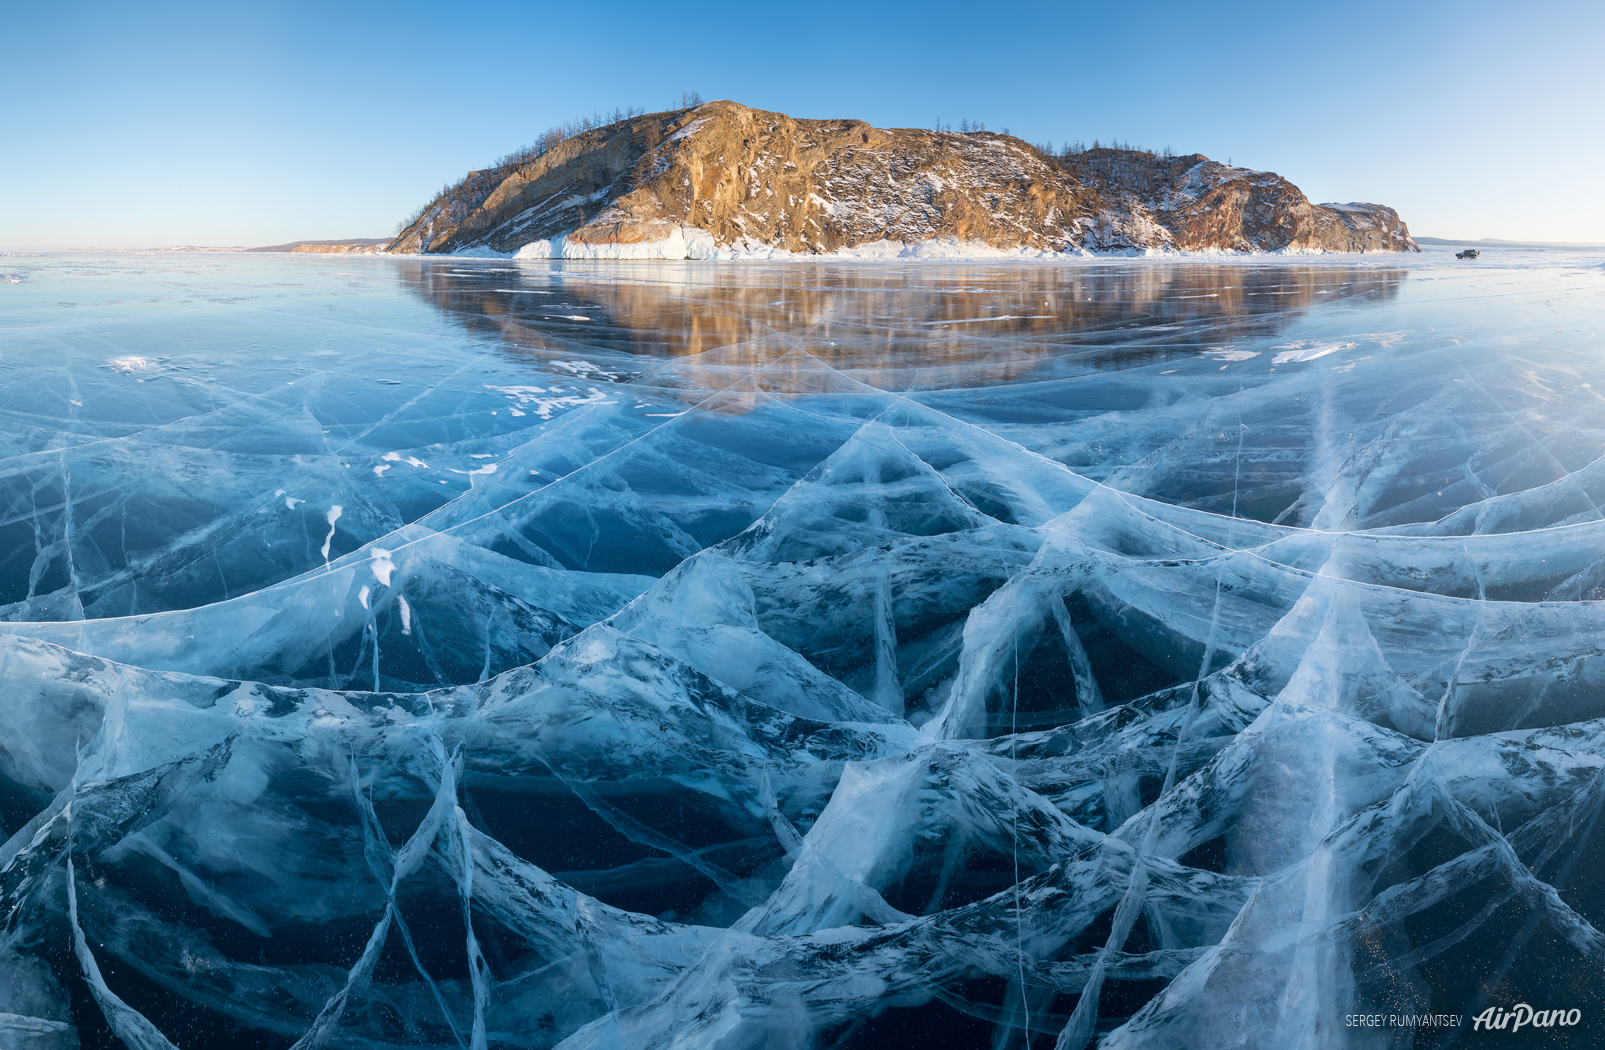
[{"x": 459, "y": 653}]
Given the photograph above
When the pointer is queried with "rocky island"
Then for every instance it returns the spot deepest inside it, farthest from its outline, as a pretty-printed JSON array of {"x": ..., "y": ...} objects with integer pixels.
[{"x": 724, "y": 180}]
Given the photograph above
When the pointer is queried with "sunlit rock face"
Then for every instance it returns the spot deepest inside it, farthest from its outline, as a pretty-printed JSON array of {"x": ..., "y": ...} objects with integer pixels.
[
  {"x": 724, "y": 179},
  {"x": 401, "y": 653}
]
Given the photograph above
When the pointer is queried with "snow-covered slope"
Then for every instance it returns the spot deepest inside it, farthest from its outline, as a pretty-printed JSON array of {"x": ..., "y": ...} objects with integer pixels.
[{"x": 724, "y": 179}]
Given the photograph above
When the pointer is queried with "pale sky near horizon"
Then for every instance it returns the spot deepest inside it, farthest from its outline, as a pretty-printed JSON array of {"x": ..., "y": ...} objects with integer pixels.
[{"x": 130, "y": 126}]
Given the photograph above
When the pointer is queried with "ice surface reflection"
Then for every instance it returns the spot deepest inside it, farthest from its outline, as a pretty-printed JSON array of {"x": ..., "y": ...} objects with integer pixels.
[
  {"x": 966, "y": 324},
  {"x": 442, "y": 652}
]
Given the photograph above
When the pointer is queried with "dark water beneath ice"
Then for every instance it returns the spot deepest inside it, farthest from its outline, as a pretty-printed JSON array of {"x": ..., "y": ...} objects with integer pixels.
[{"x": 439, "y": 652}]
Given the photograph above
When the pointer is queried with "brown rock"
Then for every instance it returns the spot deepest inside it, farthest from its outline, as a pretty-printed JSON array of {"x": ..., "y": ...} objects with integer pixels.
[
  {"x": 1195, "y": 203},
  {"x": 754, "y": 179}
]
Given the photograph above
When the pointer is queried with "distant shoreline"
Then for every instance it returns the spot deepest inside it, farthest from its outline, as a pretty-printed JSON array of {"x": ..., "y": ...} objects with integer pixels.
[{"x": 1493, "y": 242}]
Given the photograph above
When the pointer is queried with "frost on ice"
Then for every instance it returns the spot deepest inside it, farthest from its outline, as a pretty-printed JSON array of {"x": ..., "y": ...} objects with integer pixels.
[{"x": 1194, "y": 669}]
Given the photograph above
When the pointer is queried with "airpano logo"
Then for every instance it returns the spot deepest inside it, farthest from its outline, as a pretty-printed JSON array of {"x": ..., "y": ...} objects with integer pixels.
[{"x": 1522, "y": 1016}]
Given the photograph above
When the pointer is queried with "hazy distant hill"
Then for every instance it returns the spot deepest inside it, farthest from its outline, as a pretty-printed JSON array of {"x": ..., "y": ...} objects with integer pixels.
[
  {"x": 350, "y": 244},
  {"x": 723, "y": 178},
  {"x": 1491, "y": 242}
]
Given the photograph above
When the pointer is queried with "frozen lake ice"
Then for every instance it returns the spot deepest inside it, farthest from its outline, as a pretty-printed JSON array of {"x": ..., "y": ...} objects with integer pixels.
[{"x": 433, "y": 652}]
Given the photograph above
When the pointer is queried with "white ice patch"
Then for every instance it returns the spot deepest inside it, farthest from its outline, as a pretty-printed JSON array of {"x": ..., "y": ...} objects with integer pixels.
[
  {"x": 588, "y": 370},
  {"x": 406, "y": 614},
  {"x": 1227, "y": 353},
  {"x": 1306, "y": 350},
  {"x": 332, "y": 517},
  {"x": 543, "y": 401},
  {"x": 381, "y": 565}
]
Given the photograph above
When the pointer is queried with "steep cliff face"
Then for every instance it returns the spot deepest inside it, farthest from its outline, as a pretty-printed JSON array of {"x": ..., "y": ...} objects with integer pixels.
[{"x": 723, "y": 176}]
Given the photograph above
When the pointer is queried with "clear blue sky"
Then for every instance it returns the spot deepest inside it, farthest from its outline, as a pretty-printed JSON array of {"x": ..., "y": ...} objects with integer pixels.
[{"x": 137, "y": 125}]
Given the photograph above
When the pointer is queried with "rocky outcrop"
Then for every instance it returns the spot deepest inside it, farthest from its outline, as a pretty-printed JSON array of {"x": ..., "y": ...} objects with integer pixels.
[
  {"x": 1194, "y": 203},
  {"x": 726, "y": 178}
]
